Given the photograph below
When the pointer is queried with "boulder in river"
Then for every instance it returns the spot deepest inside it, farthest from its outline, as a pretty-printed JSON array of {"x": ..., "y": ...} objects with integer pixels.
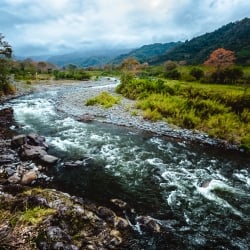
[
  {"x": 36, "y": 140},
  {"x": 49, "y": 159}
]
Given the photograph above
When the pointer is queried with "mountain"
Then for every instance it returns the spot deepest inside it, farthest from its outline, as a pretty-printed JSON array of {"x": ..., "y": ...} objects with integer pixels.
[
  {"x": 233, "y": 36},
  {"x": 146, "y": 52},
  {"x": 87, "y": 58},
  {"x": 102, "y": 57}
]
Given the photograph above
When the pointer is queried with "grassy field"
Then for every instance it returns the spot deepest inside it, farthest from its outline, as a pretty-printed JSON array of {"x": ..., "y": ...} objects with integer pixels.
[{"x": 222, "y": 111}]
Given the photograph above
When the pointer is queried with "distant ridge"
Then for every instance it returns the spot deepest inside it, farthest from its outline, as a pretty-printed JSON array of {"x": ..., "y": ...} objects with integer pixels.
[
  {"x": 146, "y": 52},
  {"x": 233, "y": 36},
  {"x": 87, "y": 58}
]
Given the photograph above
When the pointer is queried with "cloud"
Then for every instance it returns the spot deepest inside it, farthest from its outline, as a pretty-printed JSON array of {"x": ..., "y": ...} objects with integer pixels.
[{"x": 60, "y": 26}]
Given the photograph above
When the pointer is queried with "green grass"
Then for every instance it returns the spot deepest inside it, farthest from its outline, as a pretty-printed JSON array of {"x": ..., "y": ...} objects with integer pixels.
[
  {"x": 35, "y": 215},
  {"x": 104, "y": 99},
  {"x": 222, "y": 111},
  {"x": 31, "y": 216}
]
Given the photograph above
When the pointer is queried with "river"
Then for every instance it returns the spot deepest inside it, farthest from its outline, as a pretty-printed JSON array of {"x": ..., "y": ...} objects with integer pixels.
[{"x": 198, "y": 194}]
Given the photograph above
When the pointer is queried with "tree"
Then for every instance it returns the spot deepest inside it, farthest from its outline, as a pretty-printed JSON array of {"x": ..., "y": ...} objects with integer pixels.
[
  {"x": 221, "y": 58},
  {"x": 5, "y": 53},
  {"x": 233, "y": 74},
  {"x": 170, "y": 70},
  {"x": 5, "y": 48},
  {"x": 169, "y": 65},
  {"x": 42, "y": 67},
  {"x": 130, "y": 64},
  {"x": 197, "y": 73}
]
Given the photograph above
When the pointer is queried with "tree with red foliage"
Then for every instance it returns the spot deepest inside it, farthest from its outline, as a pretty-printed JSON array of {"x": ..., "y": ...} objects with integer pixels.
[{"x": 221, "y": 58}]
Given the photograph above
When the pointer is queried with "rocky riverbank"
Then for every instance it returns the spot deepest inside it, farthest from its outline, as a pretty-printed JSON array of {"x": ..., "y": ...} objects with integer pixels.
[
  {"x": 35, "y": 218},
  {"x": 32, "y": 217},
  {"x": 125, "y": 114}
]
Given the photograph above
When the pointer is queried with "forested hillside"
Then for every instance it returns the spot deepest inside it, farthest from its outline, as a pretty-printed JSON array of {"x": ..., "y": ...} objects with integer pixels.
[
  {"x": 147, "y": 52},
  {"x": 233, "y": 36}
]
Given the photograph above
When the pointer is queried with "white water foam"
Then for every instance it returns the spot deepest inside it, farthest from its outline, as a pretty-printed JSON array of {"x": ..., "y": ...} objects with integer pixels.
[
  {"x": 217, "y": 185},
  {"x": 243, "y": 176}
]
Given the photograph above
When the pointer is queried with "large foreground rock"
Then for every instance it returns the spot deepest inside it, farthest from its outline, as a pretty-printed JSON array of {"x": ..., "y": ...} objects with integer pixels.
[{"x": 48, "y": 219}]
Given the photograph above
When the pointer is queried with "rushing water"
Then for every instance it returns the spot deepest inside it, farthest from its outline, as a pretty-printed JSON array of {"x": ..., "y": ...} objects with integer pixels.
[{"x": 199, "y": 195}]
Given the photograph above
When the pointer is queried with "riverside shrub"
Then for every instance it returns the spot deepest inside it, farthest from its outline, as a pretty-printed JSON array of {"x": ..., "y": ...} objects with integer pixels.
[{"x": 104, "y": 99}]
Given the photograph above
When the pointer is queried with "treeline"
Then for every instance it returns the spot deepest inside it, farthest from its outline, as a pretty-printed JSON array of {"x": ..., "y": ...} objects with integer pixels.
[
  {"x": 71, "y": 72},
  {"x": 28, "y": 69},
  {"x": 228, "y": 75}
]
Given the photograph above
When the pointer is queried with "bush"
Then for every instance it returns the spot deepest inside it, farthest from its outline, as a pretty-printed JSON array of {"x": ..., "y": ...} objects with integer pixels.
[
  {"x": 245, "y": 116},
  {"x": 104, "y": 99},
  {"x": 197, "y": 73},
  {"x": 169, "y": 66},
  {"x": 152, "y": 115},
  {"x": 190, "y": 120},
  {"x": 232, "y": 75},
  {"x": 8, "y": 89},
  {"x": 205, "y": 108},
  {"x": 188, "y": 78},
  {"x": 245, "y": 142},
  {"x": 173, "y": 74},
  {"x": 224, "y": 126},
  {"x": 228, "y": 75}
]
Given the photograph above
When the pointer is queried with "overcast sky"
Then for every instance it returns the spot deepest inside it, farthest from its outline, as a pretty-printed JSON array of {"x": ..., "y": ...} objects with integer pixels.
[{"x": 35, "y": 27}]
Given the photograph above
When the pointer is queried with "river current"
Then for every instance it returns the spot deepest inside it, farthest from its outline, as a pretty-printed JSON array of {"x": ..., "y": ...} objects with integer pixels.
[{"x": 198, "y": 194}]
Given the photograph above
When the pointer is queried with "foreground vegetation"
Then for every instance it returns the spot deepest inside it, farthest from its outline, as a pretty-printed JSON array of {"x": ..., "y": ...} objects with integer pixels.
[{"x": 220, "y": 110}]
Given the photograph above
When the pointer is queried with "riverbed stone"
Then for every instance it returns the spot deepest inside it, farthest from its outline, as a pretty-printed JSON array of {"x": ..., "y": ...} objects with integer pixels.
[
  {"x": 106, "y": 213},
  {"x": 36, "y": 140},
  {"x": 49, "y": 159},
  {"x": 14, "y": 179},
  {"x": 119, "y": 203},
  {"x": 6, "y": 116},
  {"x": 55, "y": 233},
  {"x": 149, "y": 224},
  {"x": 18, "y": 140},
  {"x": 10, "y": 171},
  {"x": 28, "y": 177},
  {"x": 32, "y": 152},
  {"x": 7, "y": 158},
  {"x": 73, "y": 164}
]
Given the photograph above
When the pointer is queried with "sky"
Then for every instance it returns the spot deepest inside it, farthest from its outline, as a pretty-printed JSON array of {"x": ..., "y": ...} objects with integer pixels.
[{"x": 50, "y": 27}]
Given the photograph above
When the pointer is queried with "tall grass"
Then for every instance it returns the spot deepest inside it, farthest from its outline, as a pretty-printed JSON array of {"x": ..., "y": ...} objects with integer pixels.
[
  {"x": 104, "y": 99},
  {"x": 221, "y": 111}
]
